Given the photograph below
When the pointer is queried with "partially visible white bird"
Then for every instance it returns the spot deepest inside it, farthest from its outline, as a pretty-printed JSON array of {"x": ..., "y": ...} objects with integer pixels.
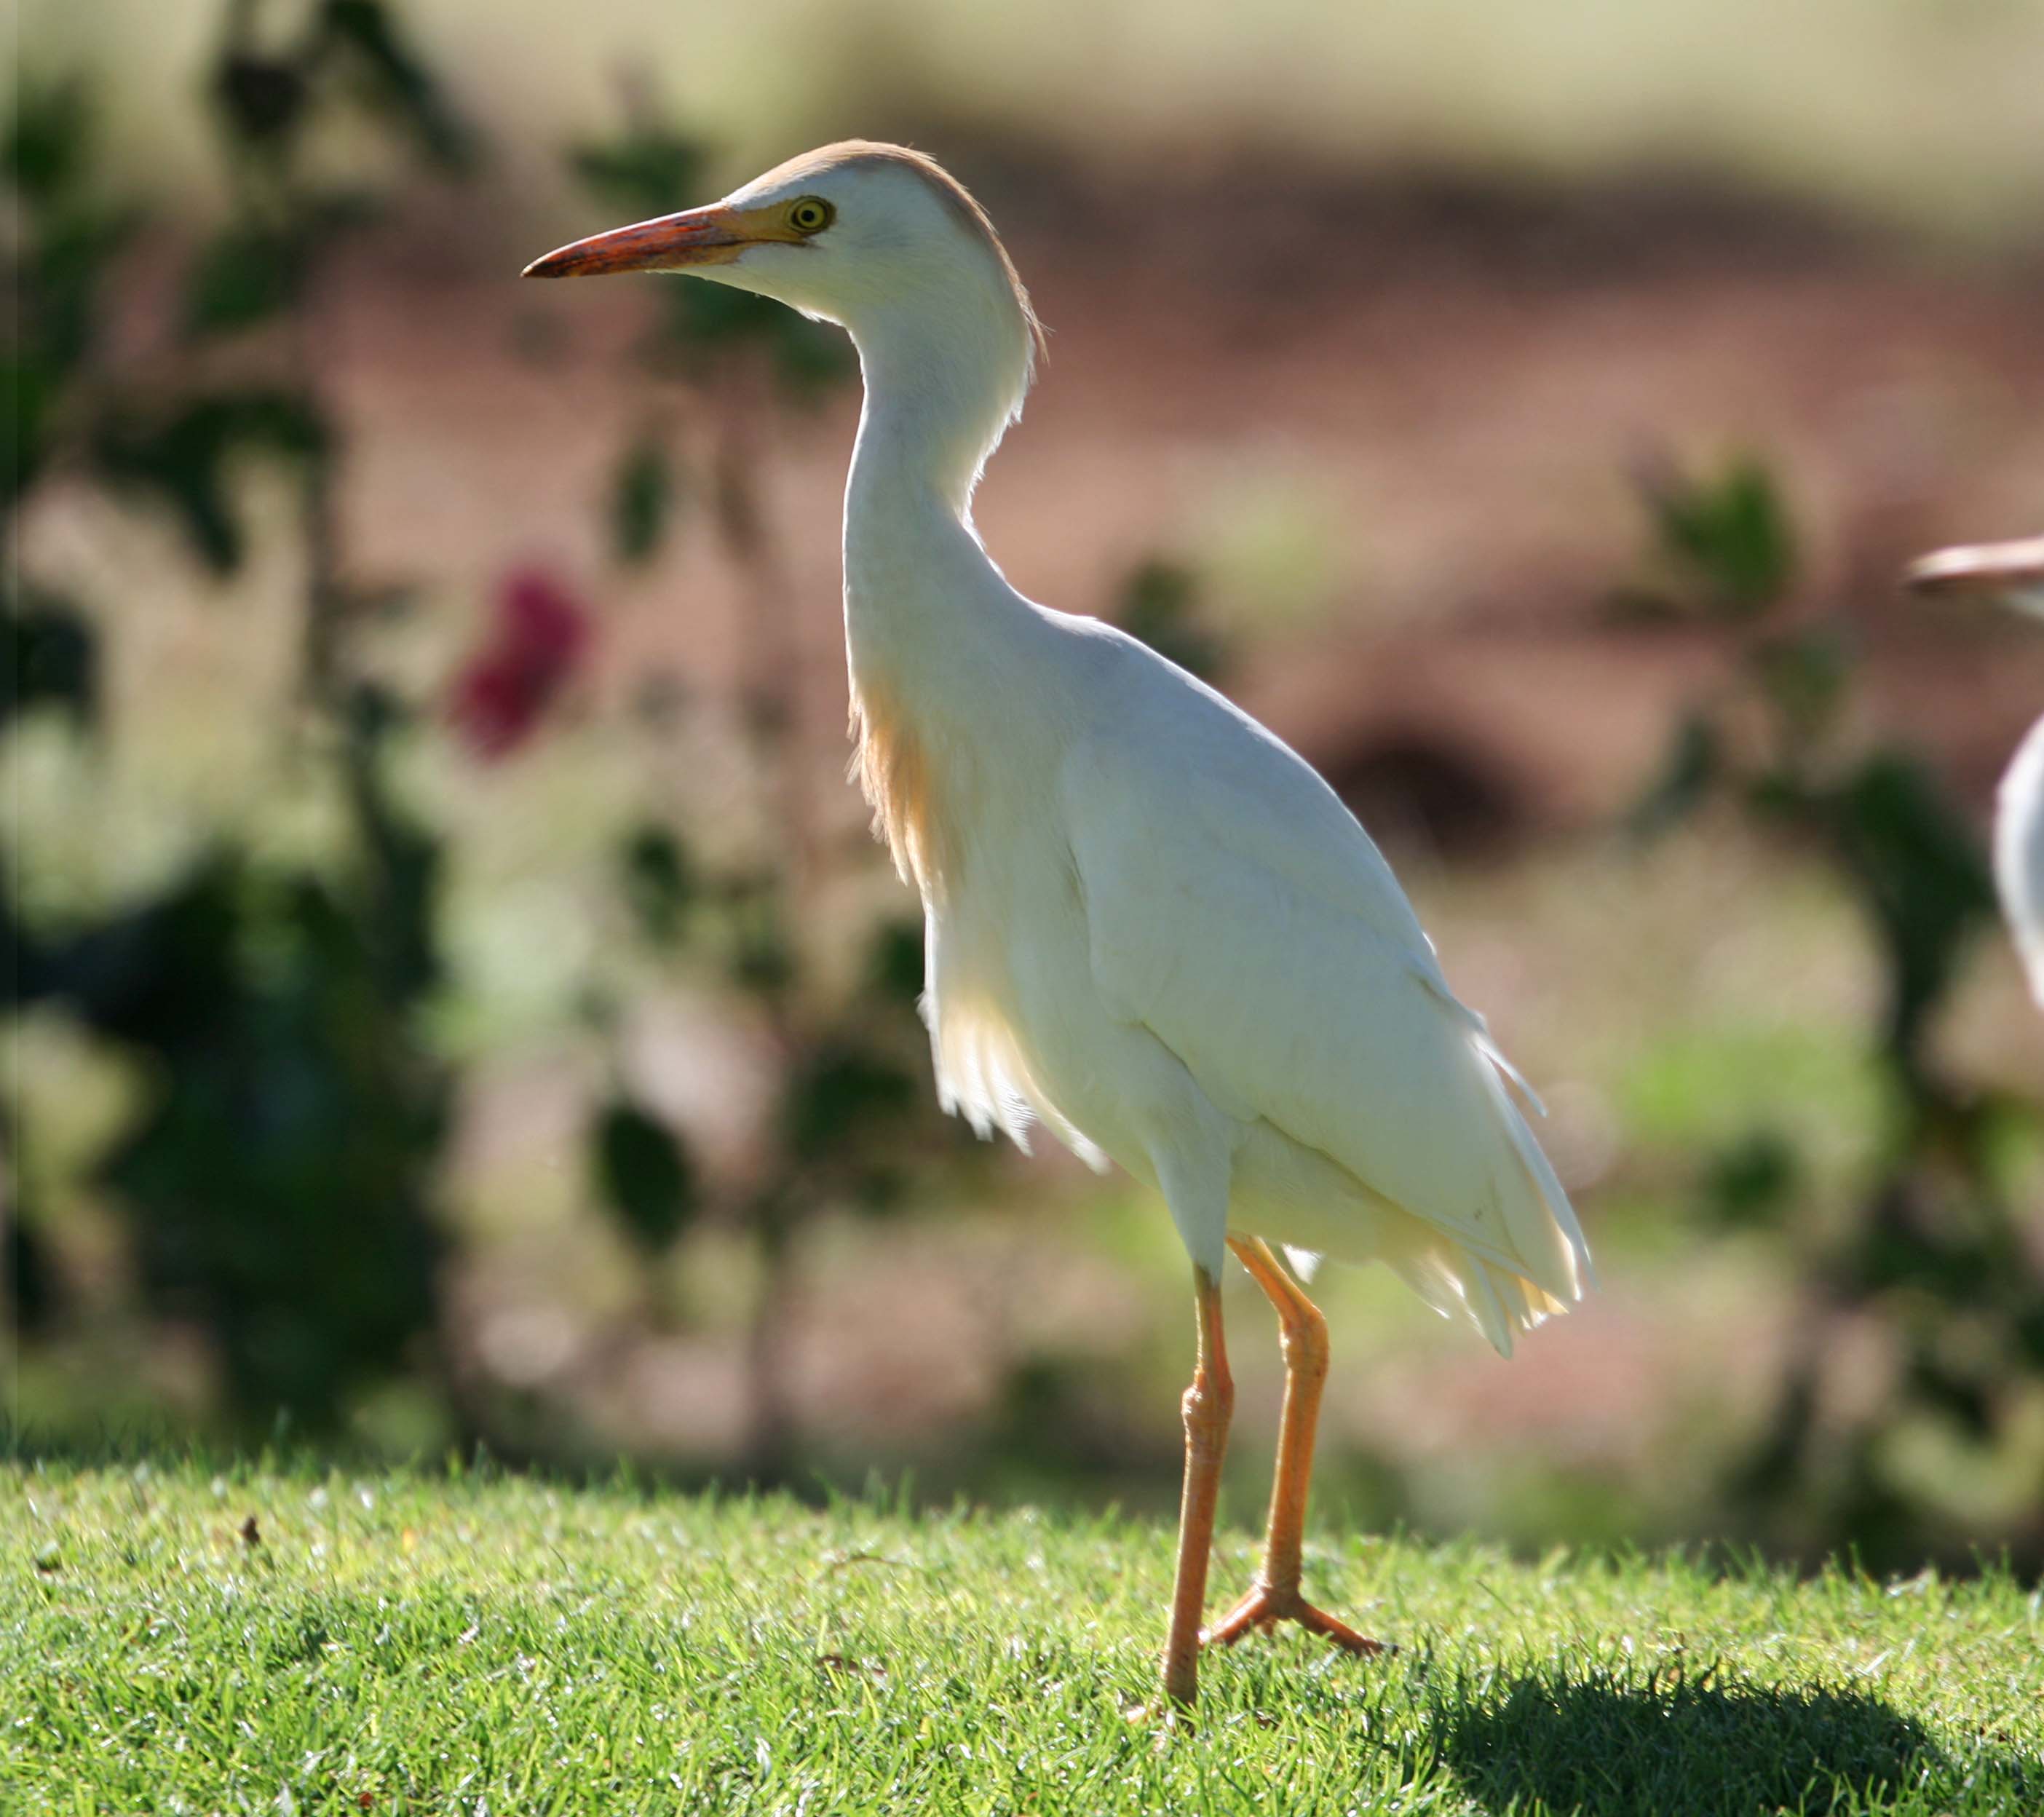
[
  {"x": 2014, "y": 571},
  {"x": 1150, "y": 925}
]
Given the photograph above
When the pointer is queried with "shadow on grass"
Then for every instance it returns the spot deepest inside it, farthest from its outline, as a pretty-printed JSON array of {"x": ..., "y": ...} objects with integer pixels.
[{"x": 1608, "y": 1745}]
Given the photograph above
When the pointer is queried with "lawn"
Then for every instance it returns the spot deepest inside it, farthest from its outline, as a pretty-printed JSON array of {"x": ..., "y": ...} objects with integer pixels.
[{"x": 180, "y": 1637}]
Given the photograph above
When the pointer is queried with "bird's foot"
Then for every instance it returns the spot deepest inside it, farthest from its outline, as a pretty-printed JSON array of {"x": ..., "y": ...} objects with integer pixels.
[{"x": 1265, "y": 1607}]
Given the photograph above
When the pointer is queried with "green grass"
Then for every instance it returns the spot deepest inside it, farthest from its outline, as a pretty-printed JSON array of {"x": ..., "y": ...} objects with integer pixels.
[{"x": 174, "y": 1639}]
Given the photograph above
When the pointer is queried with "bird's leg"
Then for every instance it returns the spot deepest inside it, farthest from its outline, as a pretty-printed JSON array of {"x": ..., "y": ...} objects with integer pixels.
[
  {"x": 1208, "y": 1405},
  {"x": 1274, "y": 1597}
]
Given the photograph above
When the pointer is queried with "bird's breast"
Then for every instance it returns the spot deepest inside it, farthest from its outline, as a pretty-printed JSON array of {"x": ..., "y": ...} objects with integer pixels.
[{"x": 896, "y": 772}]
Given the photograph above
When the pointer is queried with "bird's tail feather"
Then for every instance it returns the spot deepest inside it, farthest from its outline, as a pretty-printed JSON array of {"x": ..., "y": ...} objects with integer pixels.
[
  {"x": 1541, "y": 1265},
  {"x": 1459, "y": 1285},
  {"x": 1539, "y": 1219}
]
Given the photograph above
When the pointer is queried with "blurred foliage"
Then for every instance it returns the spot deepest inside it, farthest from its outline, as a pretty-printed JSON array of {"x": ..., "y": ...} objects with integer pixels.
[
  {"x": 643, "y": 1173},
  {"x": 1753, "y": 1182},
  {"x": 51, "y": 656},
  {"x": 658, "y": 882},
  {"x": 1726, "y": 534},
  {"x": 644, "y": 498},
  {"x": 1160, "y": 605},
  {"x": 1936, "y": 1251},
  {"x": 271, "y": 87},
  {"x": 648, "y": 168},
  {"x": 246, "y": 276},
  {"x": 278, "y": 1178},
  {"x": 183, "y": 458}
]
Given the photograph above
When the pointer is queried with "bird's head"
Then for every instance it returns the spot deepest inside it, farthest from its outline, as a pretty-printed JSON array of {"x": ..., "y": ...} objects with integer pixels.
[{"x": 878, "y": 238}]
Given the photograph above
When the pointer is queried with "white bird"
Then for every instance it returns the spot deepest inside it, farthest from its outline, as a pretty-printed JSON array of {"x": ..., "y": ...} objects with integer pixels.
[
  {"x": 1150, "y": 925},
  {"x": 2014, "y": 571}
]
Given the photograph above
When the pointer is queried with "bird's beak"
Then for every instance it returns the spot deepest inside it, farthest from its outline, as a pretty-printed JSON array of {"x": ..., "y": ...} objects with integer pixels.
[
  {"x": 712, "y": 235},
  {"x": 1981, "y": 568}
]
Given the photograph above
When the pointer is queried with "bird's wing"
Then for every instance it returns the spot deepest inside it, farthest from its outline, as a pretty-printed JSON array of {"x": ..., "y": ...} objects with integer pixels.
[
  {"x": 2018, "y": 854},
  {"x": 1236, "y": 909}
]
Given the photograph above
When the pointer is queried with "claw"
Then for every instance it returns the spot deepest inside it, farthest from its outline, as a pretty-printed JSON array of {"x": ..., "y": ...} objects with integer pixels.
[{"x": 1264, "y": 1607}]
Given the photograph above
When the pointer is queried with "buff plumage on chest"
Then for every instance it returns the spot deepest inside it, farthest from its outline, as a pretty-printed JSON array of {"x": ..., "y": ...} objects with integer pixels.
[{"x": 891, "y": 768}]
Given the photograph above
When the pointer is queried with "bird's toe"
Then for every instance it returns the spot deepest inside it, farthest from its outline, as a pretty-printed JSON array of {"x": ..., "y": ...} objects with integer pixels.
[{"x": 1264, "y": 1607}]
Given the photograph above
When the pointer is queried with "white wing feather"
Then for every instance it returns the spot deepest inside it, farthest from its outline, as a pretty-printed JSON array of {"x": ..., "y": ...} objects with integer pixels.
[
  {"x": 1238, "y": 910},
  {"x": 2018, "y": 854}
]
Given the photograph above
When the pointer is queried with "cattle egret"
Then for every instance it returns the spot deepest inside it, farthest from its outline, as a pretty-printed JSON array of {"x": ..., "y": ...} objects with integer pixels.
[
  {"x": 2014, "y": 571},
  {"x": 1149, "y": 924}
]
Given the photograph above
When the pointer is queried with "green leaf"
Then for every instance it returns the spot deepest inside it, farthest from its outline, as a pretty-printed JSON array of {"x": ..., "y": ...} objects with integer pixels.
[
  {"x": 642, "y": 497},
  {"x": 811, "y": 359},
  {"x": 1920, "y": 874},
  {"x": 841, "y": 1098},
  {"x": 1731, "y": 534},
  {"x": 261, "y": 98},
  {"x": 895, "y": 965},
  {"x": 1158, "y": 603},
  {"x": 701, "y": 324},
  {"x": 1691, "y": 770},
  {"x": 59, "y": 288},
  {"x": 49, "y": 139},
  {"x": 278, "y": 1183},
  {"x": 183, "y": 459},
  {"x": 764, "y": 958},
  {"x": 659, "y": 882},
  {"x": 394, "y": 79},
  {"x": 51, "y": 654},
  {"x": 643, "y": 1175},
  {"x": 244, "y": 277},
  {"x": 646, "y": 171},
  {"x": 1753, "y": 1182},
  {"x": 31, "y": 390},
  {"x": 704, "y": 319},
  {"x": 1804, "y": 677}
]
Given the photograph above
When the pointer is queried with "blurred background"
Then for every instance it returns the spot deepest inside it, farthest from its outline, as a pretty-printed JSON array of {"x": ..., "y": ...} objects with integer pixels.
[{"x": 455, "y": 999}]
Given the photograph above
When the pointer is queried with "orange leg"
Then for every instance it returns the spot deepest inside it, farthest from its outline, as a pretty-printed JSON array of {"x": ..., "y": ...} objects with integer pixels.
[
  {"x": 1275, "y": 1597},
  {"x": 1208, "y": 1405}
]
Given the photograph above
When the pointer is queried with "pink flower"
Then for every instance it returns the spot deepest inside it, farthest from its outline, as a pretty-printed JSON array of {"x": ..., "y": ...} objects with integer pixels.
[{"x": 538, "y": 638}]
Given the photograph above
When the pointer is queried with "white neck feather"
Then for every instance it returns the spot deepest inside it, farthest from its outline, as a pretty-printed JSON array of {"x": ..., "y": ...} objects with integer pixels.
[
  {"x": 947, "y": 362},
  {"x": 923, "y": 605},
  {"x": 943, "y": 381}
]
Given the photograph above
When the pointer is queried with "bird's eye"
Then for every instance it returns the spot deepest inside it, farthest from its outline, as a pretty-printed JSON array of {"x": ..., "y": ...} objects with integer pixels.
[{"x": 810, "y": 214}]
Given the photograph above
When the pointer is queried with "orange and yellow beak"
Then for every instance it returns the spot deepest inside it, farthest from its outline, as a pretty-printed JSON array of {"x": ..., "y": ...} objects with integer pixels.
[
  {"x": 1981, "y": 568},
  {"x": 712, "y": 235}
]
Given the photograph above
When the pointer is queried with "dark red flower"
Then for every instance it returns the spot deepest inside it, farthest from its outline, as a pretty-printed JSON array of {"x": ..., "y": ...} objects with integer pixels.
[{"x": 538, "y": 638}]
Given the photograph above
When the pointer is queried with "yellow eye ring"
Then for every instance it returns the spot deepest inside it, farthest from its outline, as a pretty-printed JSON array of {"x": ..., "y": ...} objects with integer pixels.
[{"x": 810, "y": 214}]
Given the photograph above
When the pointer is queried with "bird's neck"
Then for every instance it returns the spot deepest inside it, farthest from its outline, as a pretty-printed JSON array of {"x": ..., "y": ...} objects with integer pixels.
[
  {"x": 940, "y": 391},
  {"x": 927, "y": 615},
  {"x": 946, "y": 360}
]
